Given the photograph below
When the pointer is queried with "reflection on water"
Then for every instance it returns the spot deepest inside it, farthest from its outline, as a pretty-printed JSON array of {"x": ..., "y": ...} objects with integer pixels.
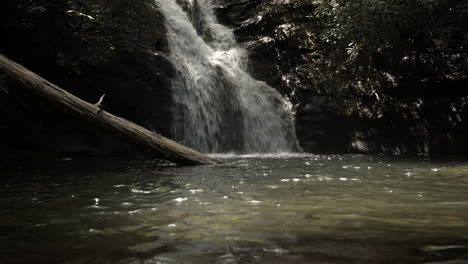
[{"x": 268, "y": 209}]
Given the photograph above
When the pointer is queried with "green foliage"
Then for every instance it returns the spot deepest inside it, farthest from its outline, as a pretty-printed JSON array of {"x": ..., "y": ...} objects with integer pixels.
[
  {"x": 373, "y": 24},
  {"x": 107, "y": 25},
  {"x": 80, "y": 31},
  {"x": 382, "y": 42}
]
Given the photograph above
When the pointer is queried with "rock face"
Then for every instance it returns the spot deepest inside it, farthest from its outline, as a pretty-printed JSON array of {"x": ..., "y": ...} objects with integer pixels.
[
  {"x": 137, "y": 87},
  {"x": 286, "y": 53},
  {"x": 135, "y": 76}
]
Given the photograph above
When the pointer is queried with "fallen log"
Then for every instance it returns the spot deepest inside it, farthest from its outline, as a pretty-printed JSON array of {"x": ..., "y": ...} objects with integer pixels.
[{"x": 156, "y": 144}]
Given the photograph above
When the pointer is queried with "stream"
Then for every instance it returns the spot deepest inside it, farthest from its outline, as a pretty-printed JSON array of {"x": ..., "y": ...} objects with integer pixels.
[{"x": 283, "y": 208}]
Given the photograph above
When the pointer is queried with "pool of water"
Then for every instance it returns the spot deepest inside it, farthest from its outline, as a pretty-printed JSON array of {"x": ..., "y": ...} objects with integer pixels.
[{"x": 253, "y": 209}]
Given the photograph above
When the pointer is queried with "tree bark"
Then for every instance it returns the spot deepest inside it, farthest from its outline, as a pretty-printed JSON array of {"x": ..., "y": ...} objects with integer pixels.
[{"x": 156, "y": 144}]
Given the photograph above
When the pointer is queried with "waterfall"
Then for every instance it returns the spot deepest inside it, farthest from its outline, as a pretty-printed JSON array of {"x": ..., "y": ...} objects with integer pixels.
[{"x": 218, "y": 107}]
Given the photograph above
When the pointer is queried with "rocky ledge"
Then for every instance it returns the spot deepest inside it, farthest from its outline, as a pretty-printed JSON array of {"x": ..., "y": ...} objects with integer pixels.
[{"x": 285, "y": 51}]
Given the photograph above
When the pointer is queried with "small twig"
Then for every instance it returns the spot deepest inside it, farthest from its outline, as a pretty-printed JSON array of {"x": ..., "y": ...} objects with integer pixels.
[
  {"x": 101, "y": 99},
  {"x": 4, "y": 88},
  {"x": 20, "y": 102},
  {"x": 2, "y": 83},
  {"x": 157, "y": 162},
  {"x": 162, "y": 160},
  {"x": 121, "y": 4},
  {"x": 100, "y": 103},
  {"x": 107, "y": 3}
]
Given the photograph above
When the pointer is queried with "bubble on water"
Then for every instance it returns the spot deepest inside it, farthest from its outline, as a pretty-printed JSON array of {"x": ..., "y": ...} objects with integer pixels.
[
  {"x": 276, "y": 250},
  {"x": 180, "y": 199},
  {"x": 285, "y": 180},
  {"x": 324, "y": 178},
  {"x": 159, "y": 260},
  {"x": 140, "y": 191},
  {"x": 95, "y": 231}
]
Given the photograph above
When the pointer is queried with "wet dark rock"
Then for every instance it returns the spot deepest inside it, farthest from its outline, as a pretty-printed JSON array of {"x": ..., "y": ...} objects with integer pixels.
[
  {"x": 137, "y": 87},
  {"x": 135, "y": 76},
  {"x": 236, "y": 12},
  {"x": 260, "y": 61},
  {"x": 286, "y": 53}
]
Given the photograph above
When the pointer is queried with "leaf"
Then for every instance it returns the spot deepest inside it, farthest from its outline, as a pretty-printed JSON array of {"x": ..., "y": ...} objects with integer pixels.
[
  {"x": 37, "y": 9},
  {"x": 79, "y": 14}
]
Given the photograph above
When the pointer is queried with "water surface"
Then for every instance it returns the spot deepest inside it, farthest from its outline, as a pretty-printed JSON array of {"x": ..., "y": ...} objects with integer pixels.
[{"x": 253, "y": 209}]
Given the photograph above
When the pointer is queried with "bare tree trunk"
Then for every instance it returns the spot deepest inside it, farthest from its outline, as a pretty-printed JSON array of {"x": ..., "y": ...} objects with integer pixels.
[{"x": 157, "y": 145}]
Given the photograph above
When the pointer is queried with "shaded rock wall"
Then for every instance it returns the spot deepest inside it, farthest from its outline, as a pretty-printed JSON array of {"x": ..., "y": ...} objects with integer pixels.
[
  {"x": 137, "y": 87},
  {"x": 286, "y": 52},
  {"x": 134, "y": 74}
]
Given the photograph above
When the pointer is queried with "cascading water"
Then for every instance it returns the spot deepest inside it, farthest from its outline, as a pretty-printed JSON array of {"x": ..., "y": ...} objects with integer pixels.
[{"x": 218, "y": 106}]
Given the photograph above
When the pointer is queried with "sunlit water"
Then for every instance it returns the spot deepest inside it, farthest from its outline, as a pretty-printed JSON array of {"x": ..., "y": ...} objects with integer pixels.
[{"x": 275, "y": 209}]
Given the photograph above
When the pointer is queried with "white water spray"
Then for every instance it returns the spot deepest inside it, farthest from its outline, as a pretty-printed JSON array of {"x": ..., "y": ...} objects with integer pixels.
[{"x": 218, "y": 106}]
